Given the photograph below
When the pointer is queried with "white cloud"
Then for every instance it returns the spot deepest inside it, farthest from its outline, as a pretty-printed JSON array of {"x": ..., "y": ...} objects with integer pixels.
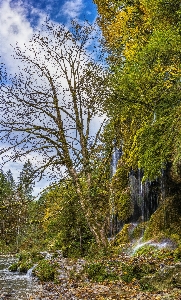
[
  {"x": 72, "y": 8},
  {"x": 16, "y": 28},
  {"x": 13, "y": 28}
]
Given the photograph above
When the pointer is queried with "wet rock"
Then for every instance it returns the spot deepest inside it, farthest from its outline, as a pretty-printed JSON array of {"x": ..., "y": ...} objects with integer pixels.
[{"x": 5, "y": 296}]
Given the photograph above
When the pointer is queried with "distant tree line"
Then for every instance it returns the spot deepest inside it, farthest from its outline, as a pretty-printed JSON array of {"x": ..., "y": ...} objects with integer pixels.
[{"x": 15, "y": 198}]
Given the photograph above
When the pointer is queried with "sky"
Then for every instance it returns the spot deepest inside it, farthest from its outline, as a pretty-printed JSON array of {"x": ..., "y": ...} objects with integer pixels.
[{"x": 19, "y": 19}]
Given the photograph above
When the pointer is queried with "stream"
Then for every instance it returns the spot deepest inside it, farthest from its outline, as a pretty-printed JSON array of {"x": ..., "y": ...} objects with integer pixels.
[{"x": 14, "y": 285}]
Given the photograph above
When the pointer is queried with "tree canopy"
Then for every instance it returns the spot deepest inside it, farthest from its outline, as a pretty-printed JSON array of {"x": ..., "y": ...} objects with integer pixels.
[
  {"x": 143, "y": 38},
  {"x": 53, "y": 107}
]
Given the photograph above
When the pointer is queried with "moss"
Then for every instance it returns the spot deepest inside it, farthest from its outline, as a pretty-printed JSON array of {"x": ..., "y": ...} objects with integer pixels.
[
  {"x": 24, "y": 266},
  {"x": 121, "y": 194},
  {"x": 168, "y": 277},
  {"x": 26, "y": 260},
  {"x": 124, "y": 236},
  {"x": 139, "y": 230},
  {"x": 166, "y": 220},
  {"x": 136, "y": 270},
  {"x": 160, "y": 255},
  {"x": 124, "y": 204},
  {"x": 177, "y": 253},
  {"x": 175, "y": 238},
  {"x": 145, "y": 250}
]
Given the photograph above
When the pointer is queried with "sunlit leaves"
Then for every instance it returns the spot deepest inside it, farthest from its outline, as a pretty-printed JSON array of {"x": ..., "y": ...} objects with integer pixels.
[{"x": 144, "y": 42}]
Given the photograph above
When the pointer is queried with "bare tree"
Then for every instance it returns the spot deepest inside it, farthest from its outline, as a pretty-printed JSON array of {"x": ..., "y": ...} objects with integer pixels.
[{"x": 51, "y": 107}]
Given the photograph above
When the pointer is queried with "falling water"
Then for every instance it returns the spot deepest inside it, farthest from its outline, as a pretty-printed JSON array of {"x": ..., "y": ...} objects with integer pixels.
[
  {"x": 113, "y": 218},
  {"x": 15, "y": 285},
  {"x": 115, "y": 158},
  {"x": 144, "y": 196},
  {"x": 158, "y": 245}
]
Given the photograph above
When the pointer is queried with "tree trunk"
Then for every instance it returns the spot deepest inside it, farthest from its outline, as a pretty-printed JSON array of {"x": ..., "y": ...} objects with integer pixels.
[{"x": 96, "y": 226}]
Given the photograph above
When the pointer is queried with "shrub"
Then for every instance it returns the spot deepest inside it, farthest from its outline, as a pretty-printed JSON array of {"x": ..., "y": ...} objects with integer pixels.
[
  {"x": 46, "y": 271},
  {"x": 177, "y": 253},
  {"x": 25, "y": 266},
  {"x": 26, "y": 260},
  {"x": 136, "y": 270},
  {"x": 13, "y": 267},
  {"x": 97, "y": 272}
]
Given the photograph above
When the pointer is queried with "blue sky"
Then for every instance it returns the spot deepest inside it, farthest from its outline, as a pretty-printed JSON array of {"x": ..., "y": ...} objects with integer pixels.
[
  {"x": 58, "y": 11},
  {"x": 19, "y": 19}
]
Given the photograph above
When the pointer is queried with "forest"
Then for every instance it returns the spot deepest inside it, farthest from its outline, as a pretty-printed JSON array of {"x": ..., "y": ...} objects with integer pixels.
[{"x": 116, "y": 203}]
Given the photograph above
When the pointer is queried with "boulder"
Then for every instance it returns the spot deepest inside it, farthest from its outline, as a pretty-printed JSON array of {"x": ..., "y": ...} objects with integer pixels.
[{"x": 167, "y": 277}]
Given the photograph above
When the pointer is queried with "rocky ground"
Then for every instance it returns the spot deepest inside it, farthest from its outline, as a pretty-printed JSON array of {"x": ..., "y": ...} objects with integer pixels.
[
  {"x": 73, "y": 287},
  {"x": 67, "y": 291}
]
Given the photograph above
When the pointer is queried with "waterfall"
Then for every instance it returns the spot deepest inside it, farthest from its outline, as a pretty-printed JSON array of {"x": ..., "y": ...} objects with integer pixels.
[
  {"x": 15, "y": 285},
  {"x": 144, "y": 196},
  {"x": 113, "y": 218},
  {"x": 29, "y": 273},
  {"x": 115, "y": 158}
]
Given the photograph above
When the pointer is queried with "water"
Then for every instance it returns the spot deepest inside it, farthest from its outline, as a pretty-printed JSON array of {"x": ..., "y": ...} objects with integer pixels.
[
  {"x": 158, "y": 245},
  {"x": 115, "y": 158},
  {"x": 14, "y": 285}
]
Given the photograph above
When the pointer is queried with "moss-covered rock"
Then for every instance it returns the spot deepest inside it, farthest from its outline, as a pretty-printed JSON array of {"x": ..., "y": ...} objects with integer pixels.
[
  {"x": 138, "y": 230},
  {"x": 177, "y": 253},
  {"x": 99, "y": 272},
  {"x": 124, "y": 236},
  {"x": 121, "y": 193},
  {"x": 167, "y": 277},
  {"x": 145, "y": 250},
  {"x": 136, "y": 270},
  {"x": 166, "y": 220},
  {"x": 26, "y": 260}
]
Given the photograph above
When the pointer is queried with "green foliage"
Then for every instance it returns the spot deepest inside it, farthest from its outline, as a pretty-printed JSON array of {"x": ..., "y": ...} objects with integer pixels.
[
  {"x": 97, "y": 272},
  {"x": 33, "y": 238},
  {"x": 9, "y": 207},
  {"x": 46, "y": 270},
  {"x": 14, "y": 212},
  {"x": 97, "y": 253},
  {"x": 129, "y": 273},
  {"x": 143, "y": 38},
  {"x": 13, "y": 267},
  {"x": 166, "y": 220},
  {"x": 121, "y": 196},
  {"x": 25, "y": 184},
  {"x": 136, "y": 271},
  {"x": 177, "y": 253},
  {"x": 26, "y": 260},
  {"x": 63, "y": 221}
]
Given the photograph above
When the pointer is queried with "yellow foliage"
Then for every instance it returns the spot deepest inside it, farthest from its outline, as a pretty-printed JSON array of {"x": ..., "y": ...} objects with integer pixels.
[{"x": 143, "y": 39}]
